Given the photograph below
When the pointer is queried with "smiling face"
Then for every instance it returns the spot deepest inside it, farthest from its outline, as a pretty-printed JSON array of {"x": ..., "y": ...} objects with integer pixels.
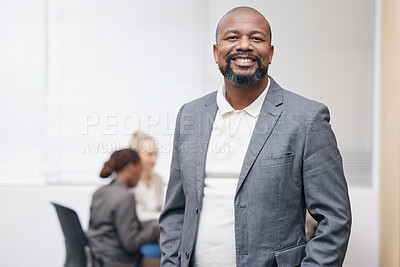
[{"x": 243, "y": 51}]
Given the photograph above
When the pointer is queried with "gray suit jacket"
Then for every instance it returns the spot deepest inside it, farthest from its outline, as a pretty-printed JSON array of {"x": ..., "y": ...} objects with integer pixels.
[{"x": 292, "y": 163}]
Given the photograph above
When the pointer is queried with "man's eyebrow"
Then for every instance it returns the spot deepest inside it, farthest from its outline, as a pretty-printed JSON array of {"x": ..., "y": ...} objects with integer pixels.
[
  {"x": 252, "y": 33},
  {"x": 258, "y": 32},
  {"x": 231, "y": 31}
]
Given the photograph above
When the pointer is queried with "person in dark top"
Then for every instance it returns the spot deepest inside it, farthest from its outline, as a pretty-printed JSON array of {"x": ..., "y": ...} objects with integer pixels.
[{"x": 115, "y": 234}]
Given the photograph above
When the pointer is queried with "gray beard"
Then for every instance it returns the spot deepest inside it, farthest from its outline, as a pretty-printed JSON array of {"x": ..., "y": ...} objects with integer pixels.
[{"x": 243, "y": 79}]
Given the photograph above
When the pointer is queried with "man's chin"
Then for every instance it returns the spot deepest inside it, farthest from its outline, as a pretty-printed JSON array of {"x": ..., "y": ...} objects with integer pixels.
[
  {"x": 243, "y": 77},
  {"x": 243, "y": 72}
]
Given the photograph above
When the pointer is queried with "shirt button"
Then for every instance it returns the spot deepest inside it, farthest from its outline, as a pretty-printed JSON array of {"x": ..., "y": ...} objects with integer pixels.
[{"x": 187, "y": 255}]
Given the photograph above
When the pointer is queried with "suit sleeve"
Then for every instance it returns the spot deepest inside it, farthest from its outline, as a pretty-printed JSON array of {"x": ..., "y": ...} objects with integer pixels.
[
  {"x": 171, "y": 218},
  {"x": 130, "y": 234},
  {"x": 326, "y": 194}
]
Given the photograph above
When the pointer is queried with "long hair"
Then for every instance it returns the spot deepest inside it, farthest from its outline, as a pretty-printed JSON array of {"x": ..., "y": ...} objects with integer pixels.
[{"x": 118, "y": 160}]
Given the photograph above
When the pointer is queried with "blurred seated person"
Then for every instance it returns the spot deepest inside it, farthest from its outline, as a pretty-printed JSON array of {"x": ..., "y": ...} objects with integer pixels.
[
  {"x": 149, "y": 192},
  {"x": 115, "y": 234}
]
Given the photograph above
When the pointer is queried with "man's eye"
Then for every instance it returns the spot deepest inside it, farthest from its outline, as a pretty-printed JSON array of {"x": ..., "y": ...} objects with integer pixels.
[
  {"x": 232, "y": 37},
  {"x": 257, "y": 38}
]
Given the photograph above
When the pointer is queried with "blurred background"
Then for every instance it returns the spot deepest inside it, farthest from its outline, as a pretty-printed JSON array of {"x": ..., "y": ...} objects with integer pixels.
[{"x": 77, "y": 78}]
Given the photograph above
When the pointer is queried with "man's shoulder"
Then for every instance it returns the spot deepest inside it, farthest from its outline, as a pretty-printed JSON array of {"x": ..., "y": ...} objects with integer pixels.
[
  {"x": 300, "y": 104},
  {"x": 294, "y": 99},
  {"x": 200, "y": 102}
]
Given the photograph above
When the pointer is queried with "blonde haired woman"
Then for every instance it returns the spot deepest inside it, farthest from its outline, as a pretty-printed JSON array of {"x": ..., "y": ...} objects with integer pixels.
[{"x": 149, "y": 190}]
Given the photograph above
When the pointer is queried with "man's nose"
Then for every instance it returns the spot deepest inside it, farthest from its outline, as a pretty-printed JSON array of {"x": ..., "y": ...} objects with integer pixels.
[{"x": 244, "y": 44}]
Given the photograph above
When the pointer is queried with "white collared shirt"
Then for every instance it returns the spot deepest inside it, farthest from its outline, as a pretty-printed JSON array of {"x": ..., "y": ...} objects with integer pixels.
[{"x": 230, "y": 138}]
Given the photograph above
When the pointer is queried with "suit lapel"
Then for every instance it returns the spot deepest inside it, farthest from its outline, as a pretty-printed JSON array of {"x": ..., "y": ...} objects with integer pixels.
[
  {"x": 269, "y": 115},
  {"x": 204, "y": 124}
]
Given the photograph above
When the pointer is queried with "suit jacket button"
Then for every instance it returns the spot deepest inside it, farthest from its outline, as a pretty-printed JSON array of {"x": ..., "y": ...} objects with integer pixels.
[
  {"x": 197, "y": 210},
  {"x": 187, "y": 255}
]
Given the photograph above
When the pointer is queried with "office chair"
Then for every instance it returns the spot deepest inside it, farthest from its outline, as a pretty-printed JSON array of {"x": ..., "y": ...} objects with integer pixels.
[{"x": 77, "y": 247}]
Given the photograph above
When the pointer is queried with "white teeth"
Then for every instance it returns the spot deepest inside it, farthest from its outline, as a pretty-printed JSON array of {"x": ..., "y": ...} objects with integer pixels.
[{"x": 245, "y": 60}]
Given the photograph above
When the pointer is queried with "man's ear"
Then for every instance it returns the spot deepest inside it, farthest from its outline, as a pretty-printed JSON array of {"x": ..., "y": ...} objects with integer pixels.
[
  {"x": 215, "y": 51},
  {"x": 271, "y": 54}
]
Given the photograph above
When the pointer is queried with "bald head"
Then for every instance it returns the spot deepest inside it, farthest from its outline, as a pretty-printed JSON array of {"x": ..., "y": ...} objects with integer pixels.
[{"x": 241, "y": 9}]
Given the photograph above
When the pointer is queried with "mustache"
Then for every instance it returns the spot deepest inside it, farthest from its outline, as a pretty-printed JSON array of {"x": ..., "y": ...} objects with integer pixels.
[{"x": 231, "y": 56}]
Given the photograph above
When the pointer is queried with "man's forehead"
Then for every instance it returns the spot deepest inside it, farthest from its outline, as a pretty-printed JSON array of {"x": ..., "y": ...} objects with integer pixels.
[{"x": 246, "y": 20}]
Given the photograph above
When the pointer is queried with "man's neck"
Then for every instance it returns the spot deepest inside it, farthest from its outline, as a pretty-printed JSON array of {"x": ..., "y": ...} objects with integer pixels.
[{"x": 239, "y": 96}]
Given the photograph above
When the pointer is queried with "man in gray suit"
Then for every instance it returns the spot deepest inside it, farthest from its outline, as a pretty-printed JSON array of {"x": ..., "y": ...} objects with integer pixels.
[{"x": 248, "y": 160}]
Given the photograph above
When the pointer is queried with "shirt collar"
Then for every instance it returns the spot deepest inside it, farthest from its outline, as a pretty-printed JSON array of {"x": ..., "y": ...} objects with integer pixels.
[{"x": 253, "y": 109}]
